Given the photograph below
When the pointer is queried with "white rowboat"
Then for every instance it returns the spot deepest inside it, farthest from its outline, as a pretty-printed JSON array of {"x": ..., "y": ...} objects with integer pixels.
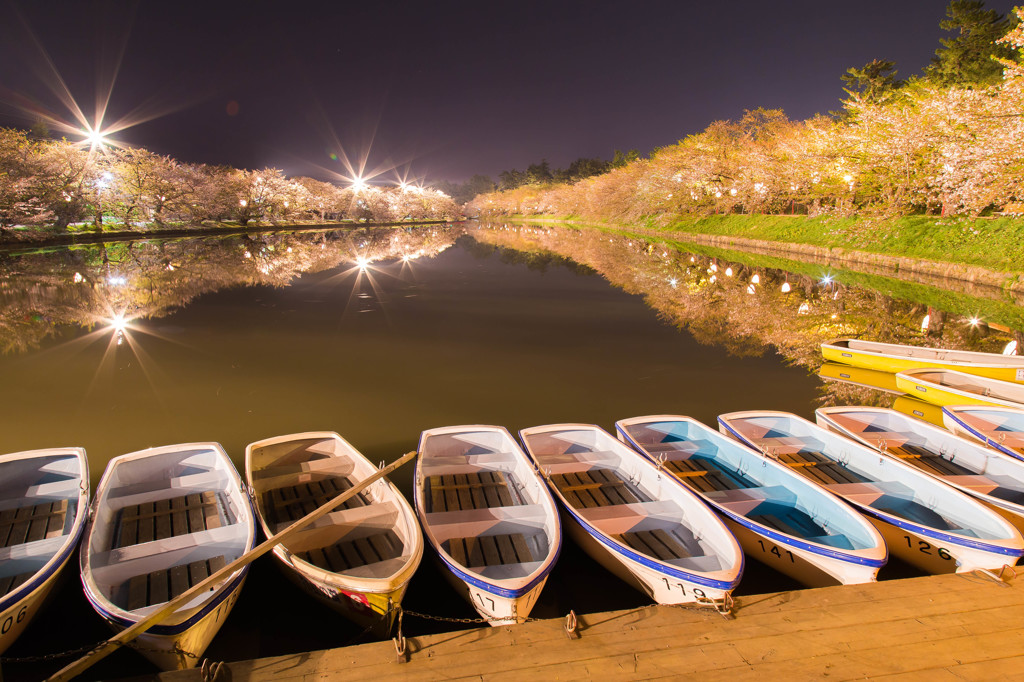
[
  {"x": 924, "y": 522},
  {"x": 778, "y": 516},
  {"x": 1001, "y": 428},
  {"x": 163, "y": 520},
  {"x": 640, "y": 524},
  {"x": 489, "y": 516},
  {"x": 44, "y": 502},
  {"x": 359, "y": 558}
]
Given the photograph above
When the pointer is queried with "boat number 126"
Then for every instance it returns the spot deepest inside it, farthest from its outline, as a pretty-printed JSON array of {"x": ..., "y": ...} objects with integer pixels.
[{"x": 926, "y": 548}]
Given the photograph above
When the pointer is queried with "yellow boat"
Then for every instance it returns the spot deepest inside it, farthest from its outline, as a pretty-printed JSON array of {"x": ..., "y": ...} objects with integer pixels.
[
  {"x": 858, "y": 376},
  {"x": 892, "y": 357},
  {"x": 947, "y": 387},
  {"x": 913, "y": 407}
]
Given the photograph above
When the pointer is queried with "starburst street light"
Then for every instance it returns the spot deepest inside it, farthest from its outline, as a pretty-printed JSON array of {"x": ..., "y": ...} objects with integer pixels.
[{"x": 96, "y": 138}]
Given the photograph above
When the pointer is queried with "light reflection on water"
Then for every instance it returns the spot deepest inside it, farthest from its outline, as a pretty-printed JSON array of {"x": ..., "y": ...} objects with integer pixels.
[{"x": 379, "y": 334}]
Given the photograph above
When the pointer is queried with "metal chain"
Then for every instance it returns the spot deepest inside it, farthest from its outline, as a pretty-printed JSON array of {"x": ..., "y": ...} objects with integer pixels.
[
  {"x": 467, "y": 621},
  {"x": 722, "y": 607},
  {"x": 88, "y": 648}
]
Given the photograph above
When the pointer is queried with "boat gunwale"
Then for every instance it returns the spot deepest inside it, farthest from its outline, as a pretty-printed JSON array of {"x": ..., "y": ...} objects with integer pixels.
[{"x": 953, "y": 413}]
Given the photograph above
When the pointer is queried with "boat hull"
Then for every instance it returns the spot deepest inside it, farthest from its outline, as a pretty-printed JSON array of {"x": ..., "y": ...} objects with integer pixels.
[
  {"x": 179, "y": 642},
  {"x": 376, "y": 611},
  {"x": 494, "y": 608},
  {"x": 16, "y": 618},
  {"x": 659, "y": 586},
  {"x": 807, "y": 568},
  {"x": 987, "y": 364},
  {"x": 939, "y": 394}
]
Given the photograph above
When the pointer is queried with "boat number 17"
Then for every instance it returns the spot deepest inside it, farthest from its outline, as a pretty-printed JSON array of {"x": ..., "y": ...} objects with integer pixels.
[{"x": 926, "y": 548}]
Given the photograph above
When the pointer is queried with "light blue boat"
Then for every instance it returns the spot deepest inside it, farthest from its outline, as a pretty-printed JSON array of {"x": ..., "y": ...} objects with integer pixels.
[
  {"x": 924, "y": 521},
  {"x": 778, "y": 516}
]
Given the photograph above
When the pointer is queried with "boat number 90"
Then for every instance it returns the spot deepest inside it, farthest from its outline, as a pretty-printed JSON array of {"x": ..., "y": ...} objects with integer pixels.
[
  {"x": 11, "y": 620},
  {"x": 695, "y": 591},
  {"x": 926, "y": 548}
]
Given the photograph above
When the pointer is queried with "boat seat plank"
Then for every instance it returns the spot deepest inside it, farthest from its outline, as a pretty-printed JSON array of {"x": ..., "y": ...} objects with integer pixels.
[
  {"x": 489, "y": 550},
  {"x": 9, "y": 583},
  {"x": 353, "y": 553},
  {"x": 656, "y": 543},
  {"x": 169, "y": 518},
  {"x": 157, "y": 587},
  {"x": 594, "y": 488},
  {"x": 473, "y": 490},
  {"x": 927, "y": 460},
  {"x": 32, "y": 523}
]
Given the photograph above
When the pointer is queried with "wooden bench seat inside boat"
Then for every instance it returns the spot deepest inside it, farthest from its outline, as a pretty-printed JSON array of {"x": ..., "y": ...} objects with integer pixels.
[
  {"x": 819, "y": 468},
  {"x": 473, "y": 490},
  {"x": 169, "y": 518},
  {"x": 9, "y": 583},
  {"x": 33, "y": 522},
  {"x": 595, "y": 488},
  {"x": 927, "y": 460},
  {"x": 291, "y": 503},
  {"x": 160, "y": 586},
  {"x": 788, "y": 520},
  {"x": 656, "y": 543},
  {"x": 489, "y": 550},
  {"x": 348, "y": 554}
]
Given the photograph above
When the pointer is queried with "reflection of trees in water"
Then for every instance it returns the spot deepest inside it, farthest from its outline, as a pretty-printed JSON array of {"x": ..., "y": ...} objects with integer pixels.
[
  {"x": 744, "y": 307},
  {"x": 53, "y": 292}
]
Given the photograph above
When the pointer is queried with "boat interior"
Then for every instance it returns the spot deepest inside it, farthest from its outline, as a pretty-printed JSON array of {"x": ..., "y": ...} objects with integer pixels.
[
  {"x": 988, "y": 388},
  {"x": 1005, "y": 427},
  {"x": 483, "y": 504},
  {"x": 595, "y": 480},
  {"x": 367, "y": 536},
  {"x": 732, "y": 478},
  {"x": 849, "y": 475},
  {"x": 166, "y": 522},
  {"x": 941, "y": 455},
  {"x": 38, "y": 506}
]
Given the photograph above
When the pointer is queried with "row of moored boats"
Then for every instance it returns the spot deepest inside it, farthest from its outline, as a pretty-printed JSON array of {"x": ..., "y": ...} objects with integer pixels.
[{"x": 671, "y": 506}]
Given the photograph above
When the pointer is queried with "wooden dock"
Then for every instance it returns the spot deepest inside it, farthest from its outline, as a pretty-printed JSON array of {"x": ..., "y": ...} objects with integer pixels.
[{"x": 950, "y": 627}]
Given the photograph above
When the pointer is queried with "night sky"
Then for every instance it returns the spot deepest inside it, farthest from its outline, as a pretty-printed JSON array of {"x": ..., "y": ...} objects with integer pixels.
[{"x": 443, "y": 90}]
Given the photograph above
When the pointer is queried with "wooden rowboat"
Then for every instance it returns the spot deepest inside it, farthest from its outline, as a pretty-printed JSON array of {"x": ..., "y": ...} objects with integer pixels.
[
  {"x": 489, "y": 517},
  {"x": 947, "y": 387},
  {"x": 44, "y": 502},
  {"x": 359, "y": 558},
  {"x": 891, "y": 357},
  {"x": 967, "y": 465},
  {"x": 924, "y": 522},
  {"x": 779, "y": 517},
  {"x": 1001, "y": 428},
  {"x": 641, "y": 525},
  {"x": 163, "y": 520}
]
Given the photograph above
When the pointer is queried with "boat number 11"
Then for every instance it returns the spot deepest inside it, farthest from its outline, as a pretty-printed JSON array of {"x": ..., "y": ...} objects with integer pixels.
[
  {"x": 775, "y": 551},
  {"x": 926, "y": 548}
]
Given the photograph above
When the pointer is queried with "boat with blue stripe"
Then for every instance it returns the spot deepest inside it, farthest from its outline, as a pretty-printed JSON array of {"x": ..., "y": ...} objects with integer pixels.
[
  {"x": 165, "y": 519},
  {"x": 924, "y": 521},
  {"x": 633, "y": 519},
  {"x": 489, "y": 517},
  {"x": 44, "y": 503},
  {"x": 779, "y": 517},
  {"x": 1000, "y": 428}
]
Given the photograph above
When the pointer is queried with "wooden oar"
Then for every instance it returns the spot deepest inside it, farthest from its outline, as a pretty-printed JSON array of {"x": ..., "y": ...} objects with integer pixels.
[{"x": 128, "y": 634}]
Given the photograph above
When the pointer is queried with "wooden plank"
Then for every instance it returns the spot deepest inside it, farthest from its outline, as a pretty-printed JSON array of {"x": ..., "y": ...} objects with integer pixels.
[
  {"x": 522, "y": 549},
  {"x": 318, "y": 558},
  {"x": 352, "y": 557},
  {"x": 197, "y": 572},
  {"x": 196, "y": 521},
  {"x": 382, "y": 546},
  {"x": 451, "y": 496},
  {"x": 501, "y": 485},
  {"x": 462, "y": 490},
  {"x": 159, "y": 584},
  {"x": 457, "y": 551},
  {"x": 211, "y": 513},
  {"x": 19, "y": 529},
  {"x": 437, "y": 498},
  {"x": 506, "y": 549},
  {"x": 491, "y": 494},
  {"x": 677, "y": 550},
  {"x": 179, "y": 579},
  {"x": 335, "y": 559},
  {"x": 367, "y": 551},
  {"x": 5, "y": 584},
  {"x": 138, "y": 587},
  {"x": 162, "y": 520},
  {"x": 217, "y": 563},
  {"x": 474, "y": 551},
  {"x": 179, "y": 517},
  {"x": 492, "y": 557}
]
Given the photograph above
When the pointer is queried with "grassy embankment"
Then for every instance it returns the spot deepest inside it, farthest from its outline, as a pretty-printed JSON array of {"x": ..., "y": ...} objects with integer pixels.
[{"x": 993, "y": 243}]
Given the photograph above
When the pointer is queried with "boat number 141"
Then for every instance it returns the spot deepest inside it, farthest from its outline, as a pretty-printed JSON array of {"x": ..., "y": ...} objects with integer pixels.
[{"x": 774, "y": 551}]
